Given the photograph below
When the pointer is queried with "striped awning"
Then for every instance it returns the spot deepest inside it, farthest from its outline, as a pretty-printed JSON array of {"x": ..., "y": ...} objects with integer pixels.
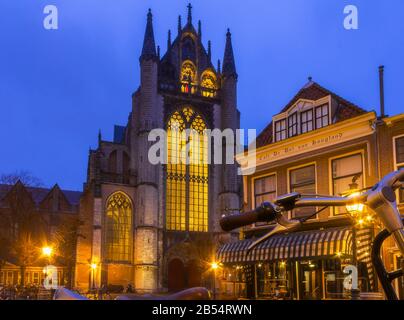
[
  {"x": 310, "y": 244},
  {"x": 364, "y": 238}
]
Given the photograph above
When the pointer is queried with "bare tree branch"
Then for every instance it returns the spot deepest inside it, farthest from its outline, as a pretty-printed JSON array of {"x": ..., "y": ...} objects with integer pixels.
[{"x": 26, "y": 178}]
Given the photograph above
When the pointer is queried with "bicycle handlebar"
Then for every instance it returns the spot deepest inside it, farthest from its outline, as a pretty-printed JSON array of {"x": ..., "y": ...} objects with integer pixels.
[{"x": 265, "y": 213}]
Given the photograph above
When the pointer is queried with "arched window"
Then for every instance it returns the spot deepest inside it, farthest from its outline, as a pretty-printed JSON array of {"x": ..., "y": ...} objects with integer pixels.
[
  {"x": 118, "y": 228},
  {"x": 188, "y": 77},
  {"x": 187, "y": 177},
  {"x": 208, "y": 84},
  {"x": 112, "y": 162}
]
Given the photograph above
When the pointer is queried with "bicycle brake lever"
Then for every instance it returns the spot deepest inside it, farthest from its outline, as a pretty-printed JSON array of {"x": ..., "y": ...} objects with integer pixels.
[
  {"x": 284, "y": 224},
  {"x": 278, "y": 228}
]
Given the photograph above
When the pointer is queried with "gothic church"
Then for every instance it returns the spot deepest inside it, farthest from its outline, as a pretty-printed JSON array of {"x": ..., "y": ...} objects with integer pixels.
[{"x": 156, "y": 227}]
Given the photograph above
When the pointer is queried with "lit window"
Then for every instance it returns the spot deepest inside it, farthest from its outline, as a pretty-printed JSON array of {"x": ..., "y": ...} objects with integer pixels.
[
  {"x": 400, "y": 161},
  {"x": 280, "y": 130},
  {"x": 292, "y": 125},
  {"x": 264, "y": 189},
  {"x": 307, "y": 121},
  {"x": 118, "y": 228},
  {"x": 322, "y": 116},
  {"x": 303, "y": 180},
  {"x": 344, "y": 171},
  {"x": 208, "y": 84},
  {"x": 188, "y": 77},
  {"x": 187, "y": 179}
]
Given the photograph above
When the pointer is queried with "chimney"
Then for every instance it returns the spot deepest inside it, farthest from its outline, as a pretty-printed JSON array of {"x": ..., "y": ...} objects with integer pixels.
[{"x": 381, "y": 82}]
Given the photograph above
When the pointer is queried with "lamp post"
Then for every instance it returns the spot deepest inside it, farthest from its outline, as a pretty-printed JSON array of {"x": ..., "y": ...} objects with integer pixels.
[
  {"x": 93, "y": 270},
  {"x": 355, "y": 211},
  {"x": 214, "y": 266}
]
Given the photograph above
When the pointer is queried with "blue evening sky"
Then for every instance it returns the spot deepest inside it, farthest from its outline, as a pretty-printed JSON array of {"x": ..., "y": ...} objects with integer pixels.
[{"x": 57, "y": 88}]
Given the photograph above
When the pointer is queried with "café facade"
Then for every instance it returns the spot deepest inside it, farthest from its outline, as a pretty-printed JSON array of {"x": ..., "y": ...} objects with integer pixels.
[{"x": 319, "y": 144}]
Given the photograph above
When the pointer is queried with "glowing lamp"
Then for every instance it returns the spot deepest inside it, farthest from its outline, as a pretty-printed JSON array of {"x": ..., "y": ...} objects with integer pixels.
[{"x": 47, "y": 251}]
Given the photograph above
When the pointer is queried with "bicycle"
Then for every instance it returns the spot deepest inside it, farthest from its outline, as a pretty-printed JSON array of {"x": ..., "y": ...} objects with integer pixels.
[{"x": 381, "y": 199}]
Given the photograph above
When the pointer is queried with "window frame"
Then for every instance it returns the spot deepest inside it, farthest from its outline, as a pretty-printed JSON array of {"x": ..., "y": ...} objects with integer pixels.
[
  {"x": 294, "y": 126},
  {"x": 193, "y": 207},
  {"x": 398, "y": 165},
  {"x": 254, "y": 195},
  {"x": 105, "y": 250},
  {"x": 303, "y": 123},
  {"x": 281, "y": 130},
  {"x": 289, "y": 171},
  {"x": 333, "y": 211},
  {"x": 323, "y": 116}
]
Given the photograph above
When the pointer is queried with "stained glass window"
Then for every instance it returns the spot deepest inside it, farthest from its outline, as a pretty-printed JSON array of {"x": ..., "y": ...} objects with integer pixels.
[
  {"x": 118, "y": 228},
  {"x": 208, "y": 84},
  {"x": 188, "y": 77},
  {"x": 187, "y": 176}
]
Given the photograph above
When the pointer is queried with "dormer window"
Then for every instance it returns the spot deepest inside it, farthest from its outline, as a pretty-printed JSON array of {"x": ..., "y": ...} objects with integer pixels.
[
  {"x": 301, "y": 119},
  {"x": 292, "y": 125},
  {"x": 322, "y": 116},
  {"x": 306, "y": 121},
  {"x": 280, "y": 130}
]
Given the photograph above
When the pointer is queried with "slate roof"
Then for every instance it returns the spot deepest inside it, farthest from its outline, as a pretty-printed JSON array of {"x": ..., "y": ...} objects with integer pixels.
[
  {"x": 39, "y": 194},
  {"x": 313, "y": 91}
]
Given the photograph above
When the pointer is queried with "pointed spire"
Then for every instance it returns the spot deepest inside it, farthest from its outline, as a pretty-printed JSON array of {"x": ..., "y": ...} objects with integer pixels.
[
  {"x": 218, "y": 66},
  {"x": 189, "y": 20},
  {"x": 149, "y": 46},
  {"x": 200, "y": 30},
  {"x": 209, "y": 50},
  {"x": 169, "y": 40},
  {"x": 158, "y": 52},
  {"x": 179, "y": 25},
  {"x": 99, "y": 136},
  {"x": 229, "y": 66}
]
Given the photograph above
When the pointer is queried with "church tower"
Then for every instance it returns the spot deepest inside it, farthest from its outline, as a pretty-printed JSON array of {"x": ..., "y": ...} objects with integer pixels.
[{"x": 156, "y": 226}]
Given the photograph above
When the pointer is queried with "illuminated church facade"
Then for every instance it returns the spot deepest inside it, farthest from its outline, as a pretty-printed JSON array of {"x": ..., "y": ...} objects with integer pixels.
[{"x": 156, "y": 227}]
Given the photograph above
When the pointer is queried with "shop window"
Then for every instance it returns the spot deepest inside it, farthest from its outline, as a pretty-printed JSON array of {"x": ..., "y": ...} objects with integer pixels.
[
  {"x": 264, "y": 189},
  {"x": 400, "y": 160},
  {"x": 345, "y": 171},
  {"x": 35, "y": 277},
  {"x": 10, "y": 277},
  {"x": 280, "y": 130},
  {"x": 292, "y": 125},
  {"x": 306, "y": 121},
  {"x": 303, "y": 180},
  {"x": 322, "y": 116}
]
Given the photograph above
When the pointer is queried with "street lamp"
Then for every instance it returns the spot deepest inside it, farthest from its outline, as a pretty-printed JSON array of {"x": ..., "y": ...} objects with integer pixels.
[
  {"x": 214, "y": 266},
  {"x": 93, "y": 267},
  {"x": 355, "y": 211},
  {"x": 47, "y": 251}
]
